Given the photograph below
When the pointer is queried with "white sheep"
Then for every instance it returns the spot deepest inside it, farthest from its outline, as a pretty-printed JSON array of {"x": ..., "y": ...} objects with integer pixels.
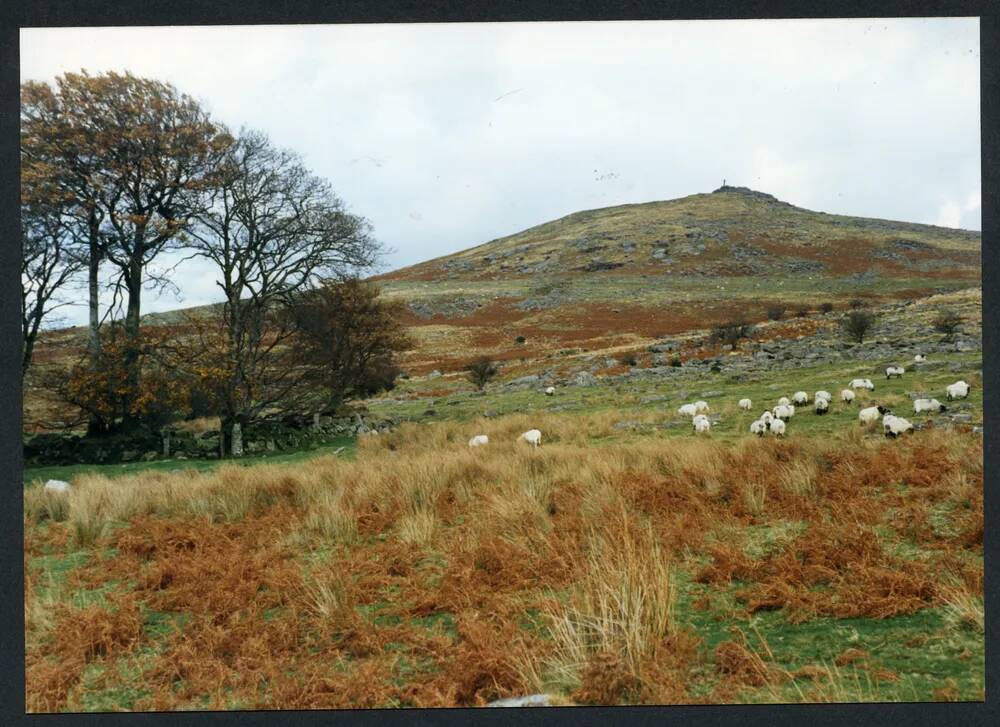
[
  {"x": 767, "y": 417},
  {"x": 758, "y": 427},
  {"x": 869, "y": 415},
  {"x": 823, "y": 395},
  {"x": 479, "y": 440},
  {"x": 532, "y": 436},
  {"x": 893, "y": 426},
  {"x": 847, "y": 396},
  {"x": 702, "y": 425},
  {"x": 745, "y": 404},
  {"x": 822, "y": 406},
  {"x": 687, "y": 410},
  {"x": 800, "y": 398},
  {"x": 701, "y": 407},
  {"x": 919, "y": 358},
  {"x": 862, "y": 384},
  {"x": 784, "y": 411},
  {"x": 896, "y": 371},
  {"x": 550, "y": 391},
  {"x": 57, "y": 486},
  {"x": 922, "y": 405},
  {"x": 777, "y": 428},
  {"x": 958, "y": 390},
  {"x": 784, "y": 401}
]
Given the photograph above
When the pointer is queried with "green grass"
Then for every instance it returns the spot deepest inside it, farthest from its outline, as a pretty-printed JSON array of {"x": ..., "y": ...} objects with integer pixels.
[{"x": 36, "y": 475}]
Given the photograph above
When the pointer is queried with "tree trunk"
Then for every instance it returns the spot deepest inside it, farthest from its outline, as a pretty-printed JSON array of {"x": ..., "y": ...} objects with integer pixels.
[
  {"x": 96, "y": 425},
  {"x": 133, "y": 284}
]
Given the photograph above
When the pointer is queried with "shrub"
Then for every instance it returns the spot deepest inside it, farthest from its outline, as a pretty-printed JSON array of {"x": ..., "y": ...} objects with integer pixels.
[
  {"x": 775, "y": 312},
  {"x": 802, "y": 312},
  {"x": 856, "y": 303},
  {"x": 731, "y": 332},
  {"x": 675, "y": 361},
  {"x": 948, "y": 322},
  {"x": 826, "y": 307},
  {"x": 628, "y": 359},
  {"x": 519, "y": 340},
  {"x": 857, "y": 323},
  {"x": 482, "y": 371}
]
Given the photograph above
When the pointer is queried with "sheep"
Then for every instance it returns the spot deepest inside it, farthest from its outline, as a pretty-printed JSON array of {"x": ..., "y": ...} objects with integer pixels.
[
  {"x": 800, "y": 397},
  {"x": 822, "y": 406},
  {"x": 919, "y": 358},
  {"x": 57, "y": 486},
  {"x": 777, "y": 428},
  {"x": 745, "y": 404},
  {"x": 758, "y": 427},
  {"x": 687, "y": 410},
  {"x": 767, "y": 417},
  {"x": 862, "y": 384},
  {"x": 479, "y": 440},
  {"x": 847, "y": 396},
  {"x": 532, "y": 436},
  {"x": 784, "y": 412},
  {"x": 922, "y": 405},
  {"x": 893, "y": 426},
  {"x": 869, "y": 415},
  {"x": 958, "y": 390},
  {"x": 784, "y": 401},
  {"x": 550, "y": 391},
  {"x": 896, "y": 371},
  {"x": 701, "y": 424},
  {"x": 701, "y": 407},
  {"x": 823, "y": 395}
]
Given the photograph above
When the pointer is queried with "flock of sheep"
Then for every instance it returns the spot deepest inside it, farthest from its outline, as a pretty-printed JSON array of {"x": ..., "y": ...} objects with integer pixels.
[{"x": 774, "y": 421}]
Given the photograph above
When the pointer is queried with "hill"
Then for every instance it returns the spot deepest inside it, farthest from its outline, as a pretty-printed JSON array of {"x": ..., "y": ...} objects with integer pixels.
[{"x": 620, "y": 276}]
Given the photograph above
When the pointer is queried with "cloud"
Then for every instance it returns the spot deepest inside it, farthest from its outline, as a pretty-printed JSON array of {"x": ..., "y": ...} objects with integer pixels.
[{"x": 448, "y": 135}]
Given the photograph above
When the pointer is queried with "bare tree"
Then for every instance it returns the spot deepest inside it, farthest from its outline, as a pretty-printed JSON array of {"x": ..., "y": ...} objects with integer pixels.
[
  {"x": 273, "y": 230},
  {"x": 48, "y": 263},
  {"x": 731, "y": 332},
  {"x": 948, "y": 321},
  {"x": 857, "y": 323},
  {"x": 482, "y": 371}
]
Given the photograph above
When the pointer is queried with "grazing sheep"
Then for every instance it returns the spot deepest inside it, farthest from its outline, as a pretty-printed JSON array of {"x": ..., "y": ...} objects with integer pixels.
[
  {"x": 921, "y": 405},
  {"x": 919, "y": 358},
  {"x": 550, "y": 391},
  {"x": 896, "y": 371},
  {"x": 822, "y": 406},
  {"x": 479, "y": 440},
  {"x": 847, "y": 396},
  {"x": 758, "y": 427},
  {"x": 745, "y": 404},
  {"x": 869, "y": 415},
  {"x": 532, "y": 436},
  {"x": 777, "y": 428},
  {"x": 56, "y": 486},
  {"x": 862, "y": 384},
  {"x": 784, "y": 411},
  {"x": 958, "y": 390},
  {"x": 800, "y": 398},
  {"x": 823, "y": 395},
  {"x": 701, "y": 407},
  {"x": 893, "y": 426},
  {"x": 784, "y": 401},
  {"x": 701, "y": 424},
  {"x": 687, "y": 410},
  {"x": 767, "y": 417}
]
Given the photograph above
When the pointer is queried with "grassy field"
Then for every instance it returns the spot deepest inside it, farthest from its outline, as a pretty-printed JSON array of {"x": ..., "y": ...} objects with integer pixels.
[{"x": 624, "y": 561}]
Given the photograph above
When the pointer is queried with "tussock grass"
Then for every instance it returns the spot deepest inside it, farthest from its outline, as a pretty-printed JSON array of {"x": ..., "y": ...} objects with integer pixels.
[{"x": 426, "y": 573}]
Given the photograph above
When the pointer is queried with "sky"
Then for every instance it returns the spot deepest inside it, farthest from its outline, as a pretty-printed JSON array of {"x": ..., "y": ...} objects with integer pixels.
[{"x": 445, "y": 136}]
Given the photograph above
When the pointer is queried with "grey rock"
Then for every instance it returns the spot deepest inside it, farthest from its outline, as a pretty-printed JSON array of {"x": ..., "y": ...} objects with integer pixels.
[{"x": 532, "y": 700}]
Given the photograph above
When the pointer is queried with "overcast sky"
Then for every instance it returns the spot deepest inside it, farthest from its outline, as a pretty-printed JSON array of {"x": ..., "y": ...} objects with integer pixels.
[{"x": 448, "y": 135}]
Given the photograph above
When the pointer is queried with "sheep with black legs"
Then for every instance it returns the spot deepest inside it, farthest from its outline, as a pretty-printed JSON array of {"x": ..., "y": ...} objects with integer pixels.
[
  {"x": 919, "y": 358},
  {"x": 783, "y": 411},
  {"x": 758, "y": 427},
  {"x": 862, "y": 384},
  {"x": 777, "y": 428},
  {"x": 701, "y": 407},
  {"x": 784, "y": 401},
  {"x": 745, "y": 404},
  {"x": 702, "y": 425},
  {"x": 821, "y": 406},
  {"x": 687, "y": 410},
  {"x": 922, "y": 405},
  {"x": 870, "y": 414},
  {"x": 893, "y": 426},
  {"x": 550, "y": 391},
  {"x": 800, "y": 398},
  {"x": 958, "y": 390},
  {"x": 821, "y": 394},
  {"x": 847, "y": 396},
  {"x": 894, "y": 371}
]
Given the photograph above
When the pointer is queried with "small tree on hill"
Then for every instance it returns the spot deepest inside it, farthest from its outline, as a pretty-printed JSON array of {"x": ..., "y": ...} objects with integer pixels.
[
  {"x": 775, "y": 312},
  {"x": 857, "y": 324},
  {"x": 948, "y": 322},
  {"x": 826, "y": 307},
  {"x": 856, "y": 303},
  {"x": 482, "y": 371}
]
